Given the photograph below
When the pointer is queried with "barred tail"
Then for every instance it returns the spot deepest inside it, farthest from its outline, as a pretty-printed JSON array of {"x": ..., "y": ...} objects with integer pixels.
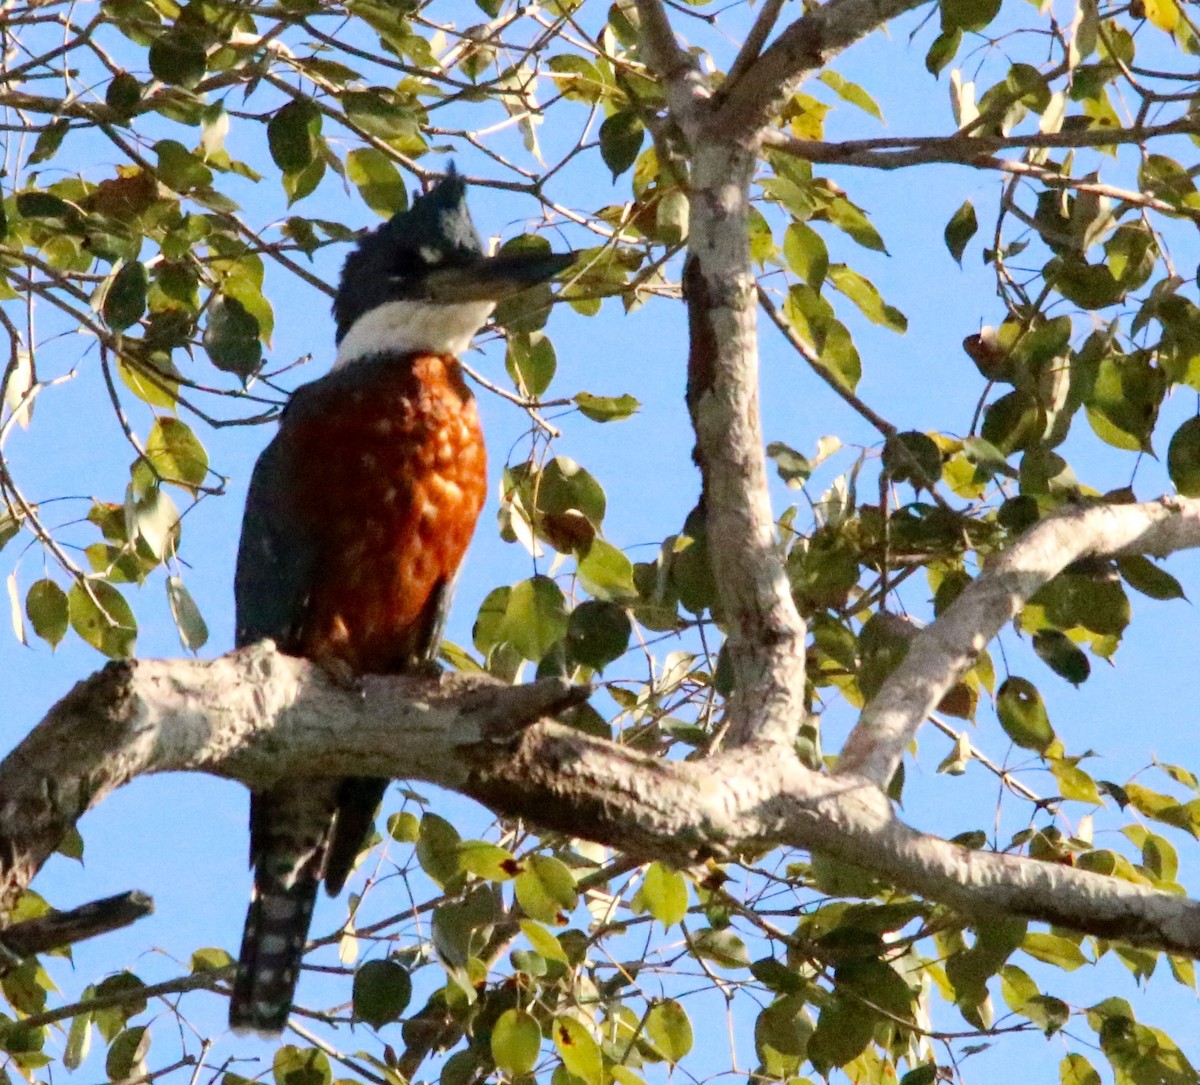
[
  {"x": 272, "y": 949},
  {"x": 289, "y": 836}
]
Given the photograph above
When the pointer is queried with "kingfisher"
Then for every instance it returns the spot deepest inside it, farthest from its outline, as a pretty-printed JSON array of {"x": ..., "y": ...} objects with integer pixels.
[{"x": 358, "y": 515}]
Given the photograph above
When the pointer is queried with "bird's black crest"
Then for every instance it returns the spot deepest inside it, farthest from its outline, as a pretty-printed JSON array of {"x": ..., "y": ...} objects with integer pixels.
[{"x": 389, "y": 262}]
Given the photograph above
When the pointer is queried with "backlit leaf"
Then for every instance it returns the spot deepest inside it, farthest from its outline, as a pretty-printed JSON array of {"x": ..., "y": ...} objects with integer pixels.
[
  {"x": 48, "y": 611},
  {"x": 516, "y": 1042},
  {"x": 1023, "y": 714}
]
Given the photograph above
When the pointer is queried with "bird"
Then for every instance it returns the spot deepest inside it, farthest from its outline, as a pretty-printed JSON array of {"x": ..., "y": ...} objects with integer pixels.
[{"x": 358, "y": 514}]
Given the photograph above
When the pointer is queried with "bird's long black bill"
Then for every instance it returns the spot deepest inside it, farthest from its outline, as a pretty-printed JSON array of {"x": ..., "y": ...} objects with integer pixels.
[{"x": 494, "y": 278}]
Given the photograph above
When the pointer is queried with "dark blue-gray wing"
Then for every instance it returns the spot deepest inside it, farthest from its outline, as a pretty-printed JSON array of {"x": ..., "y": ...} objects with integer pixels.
[{"x": 277, "y": 559}]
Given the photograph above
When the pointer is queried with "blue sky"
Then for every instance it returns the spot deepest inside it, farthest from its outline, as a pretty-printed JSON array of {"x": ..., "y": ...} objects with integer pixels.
[{"x": 183, "y": 838}]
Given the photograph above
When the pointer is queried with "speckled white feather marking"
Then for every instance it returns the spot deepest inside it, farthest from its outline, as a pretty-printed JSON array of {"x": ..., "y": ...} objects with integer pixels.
[{"x": 402, "y": 327}]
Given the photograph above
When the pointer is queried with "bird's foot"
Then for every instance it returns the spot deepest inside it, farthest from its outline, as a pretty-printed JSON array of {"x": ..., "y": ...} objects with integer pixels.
[{"x": 341, "y": 675}]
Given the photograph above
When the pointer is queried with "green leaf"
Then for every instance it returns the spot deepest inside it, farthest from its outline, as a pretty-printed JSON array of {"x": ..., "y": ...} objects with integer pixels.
[
  {"x": 606, "y": 408},
  {"x": 793, "y": 467},
  {"x": 667, "y": 1027},
  {"x": 125, "y": 299},
  {"x": 176, "y": 453},
  {"x": 942, "y": 51},
  {"x": 535, "y": 618},
  {"x": 516, "y": 1042},
  {"x": 543, "y": 941},
  {"x": 1054, "y": 949},
  {"x": 1076, "y": 1070},
  {"x": 301, "y": 1066},
  {"x": 178, "y": 58},
  {"x": 127, "y": 1054},
  {"x": 1183, "y": 458},
  {"x": 863, "y": 293},
  {"x": 1023, "y": 714},
  {"x": 79, "y": 1037},
  {"x": 382, "y": 991},
  {"x": 378, "y": 181},
  {"x": 531, "y": 362},
  {"x": 179, "y": 169},
  {"x": 960, "y": 229},
  {"x": 1074, "y": 783},
  {"x": 1062, "y": 655},
  {"x": 546, "y": 890},
  {"x": 49, "y": 140},
  {"x": 664, "y": 893},
  {"x": 606, "y": 572},
  {"x": 193, "y": 630},
  {"x": 487, "y": 860},
  {"x": 806, "y": 253},
  {"x": 292, "y": 135},
  {"x": 123, "y": 93},
  {"x": 1013, "y": 422},
  {"x": 437, "y": 849},
  {"x": 301, "y": 183},
  {"x": 231, "y": 337},
  {"x": 850, "y": 92},
  {"x": 621, "y": 137},
  {"x": 968, "y": 15},
  {"x": 404, "y": 826},
  {"x": 210, "y": 959},
  {"x": 48, "y": 611},
  {"x": 102, "y": 617},
  {"x": 913, "y": 457},
  {"x": 598, "y": 632},
  {"x": 578, "y": 1050},
  {"x": 36, "y": 205},
  {"x": 722, "y": 947},
  {"x": 852, "y": 221},
  {"x": 1143, "y": 575},
  {"x": 844, "y": 1028}
]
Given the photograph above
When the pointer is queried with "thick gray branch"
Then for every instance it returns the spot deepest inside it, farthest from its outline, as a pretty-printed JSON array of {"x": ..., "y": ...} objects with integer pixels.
[
  {"x": 807, "y": 45},
  {"x": 764, "y": 631},
  {"x": 254, "y": 715},
  {"x": 941, "y": 653}
]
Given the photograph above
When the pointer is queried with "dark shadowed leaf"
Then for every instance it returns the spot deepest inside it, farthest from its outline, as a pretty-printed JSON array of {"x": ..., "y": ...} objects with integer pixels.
[
  {"x": 597, "y": 633},
  {"x": 1143, "y": 575},
  {"x": 127, "y": 1054},
  {"x": 125, "y": 300},
  {"x": 1183, "y": 458},
  {"x": 1062, "y": 655},
  {"x": 292, "y": 135},
  {"x": 177, "y": 57},
  {"x": 621, "y": 137},
  {"x": 231, "y": 337},
  {"x": 382, "y": 991}
]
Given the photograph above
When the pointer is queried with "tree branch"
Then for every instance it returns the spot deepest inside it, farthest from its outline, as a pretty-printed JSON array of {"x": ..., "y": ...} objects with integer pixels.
[
  {"x": 55, "y": 929},
  {"x": 255, "y": 714},
  {"x": 896, "y": 152},
  {"x": 805, "y": 46},
  {"x": 942, "y": 652}
]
